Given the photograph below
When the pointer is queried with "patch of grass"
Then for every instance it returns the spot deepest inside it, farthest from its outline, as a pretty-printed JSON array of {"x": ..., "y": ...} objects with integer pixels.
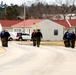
[
  {"x": 45, "y": 43},
  {"x": 59, "y": 43},
  {"x": 2, "y": 50}
]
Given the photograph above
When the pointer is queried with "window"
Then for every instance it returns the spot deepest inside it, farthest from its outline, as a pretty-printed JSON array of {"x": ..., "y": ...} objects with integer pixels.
[
  {"x": 17, "y": 30},
  {"x": 29, "y": 31},
  {"x": 55, "y": 32}
]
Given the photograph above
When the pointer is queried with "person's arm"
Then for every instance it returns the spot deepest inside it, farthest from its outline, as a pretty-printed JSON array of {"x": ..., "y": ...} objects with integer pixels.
[
  {"x": 41, "y": 35},
  {"x": 31, "y": 36},
  {"x": 8, "y": 34}
]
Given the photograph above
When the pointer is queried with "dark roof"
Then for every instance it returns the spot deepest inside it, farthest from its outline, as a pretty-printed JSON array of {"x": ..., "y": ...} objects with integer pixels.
[
  {"x": 19, "y": 23},
  {"x": 28, "y": 22},
  {"x": 62, "y": 22},
  {"x": 9, "y": 23},
  {"x": 73, "y": 22}
]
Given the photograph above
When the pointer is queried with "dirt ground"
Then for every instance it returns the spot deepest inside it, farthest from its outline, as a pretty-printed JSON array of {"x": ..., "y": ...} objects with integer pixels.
[
  {"x": 45, "y": 43},
  {"x": 53, "y": 43},
  {"x": 2, "y": 50}
]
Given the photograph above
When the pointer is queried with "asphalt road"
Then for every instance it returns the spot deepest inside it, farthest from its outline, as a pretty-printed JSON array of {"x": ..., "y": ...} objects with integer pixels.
[{"x": 21, "y": 59}]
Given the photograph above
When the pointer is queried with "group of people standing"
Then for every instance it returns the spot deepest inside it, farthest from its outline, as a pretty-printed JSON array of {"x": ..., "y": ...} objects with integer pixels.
[
  {"x": 36, "y": 37},
  {"x": 4, "y": 38},
  {"x": 69, "y": 39}
]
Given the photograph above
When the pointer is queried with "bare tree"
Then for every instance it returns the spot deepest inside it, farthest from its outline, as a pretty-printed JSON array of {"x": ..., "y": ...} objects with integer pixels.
[{"x": 66, "y": 8}]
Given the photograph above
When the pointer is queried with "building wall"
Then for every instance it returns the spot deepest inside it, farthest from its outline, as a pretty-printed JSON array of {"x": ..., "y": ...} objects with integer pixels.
[
  {"x": 70, "y": 29},
  {"x": 9, "y": 29},
  {"x": 47, "y": 28},
  {"x": 0, "y": 27}
]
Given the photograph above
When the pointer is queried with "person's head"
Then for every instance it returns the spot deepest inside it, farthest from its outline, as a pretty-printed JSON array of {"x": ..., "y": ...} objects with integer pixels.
[
  {"x": 72, "y": 32},
  {"x": 38, "y": 30},
  {"x": 34, "y": 30},
  {"x": 68, "y": 30},
  {"x": 3, "y": 30}
]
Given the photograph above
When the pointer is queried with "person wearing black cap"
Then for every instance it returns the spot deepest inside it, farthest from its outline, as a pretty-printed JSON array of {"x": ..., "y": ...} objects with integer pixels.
[{"x": 39, "y": 37}]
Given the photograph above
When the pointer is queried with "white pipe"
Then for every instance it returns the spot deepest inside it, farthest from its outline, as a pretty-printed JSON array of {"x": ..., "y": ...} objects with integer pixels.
[{"x": 68, "y": 22}]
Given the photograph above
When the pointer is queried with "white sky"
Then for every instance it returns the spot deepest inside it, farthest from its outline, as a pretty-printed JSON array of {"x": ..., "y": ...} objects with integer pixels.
[
  {"x": 29, "y": 2},
  {"x": 19, "y": 2}
]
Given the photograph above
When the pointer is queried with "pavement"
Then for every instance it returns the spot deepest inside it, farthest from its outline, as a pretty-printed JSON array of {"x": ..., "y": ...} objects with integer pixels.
[{"x": 24, "y": 59}]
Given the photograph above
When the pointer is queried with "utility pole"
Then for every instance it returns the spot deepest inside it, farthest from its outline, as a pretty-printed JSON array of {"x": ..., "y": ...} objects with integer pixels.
[
  {"x": 1, "y": 9},
  {"x": 5, "y": 10},
  {"x": 24, "y": 18}
]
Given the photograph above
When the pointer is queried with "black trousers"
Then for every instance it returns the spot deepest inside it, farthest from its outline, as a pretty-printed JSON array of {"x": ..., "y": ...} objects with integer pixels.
[
  {"x": 72, "y": 43},
  {"x": 67, "y": 43},
  {"x": 4, "y": 42},
  {"x": 34, "y": 42},
  {"x": 38, "y": 42}
]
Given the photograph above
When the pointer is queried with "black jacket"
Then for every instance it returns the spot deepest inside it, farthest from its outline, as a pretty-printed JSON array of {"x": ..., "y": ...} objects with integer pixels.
[
  {"x": 33, "y": 35},
  {"x": 72, "y": 37},
  {"x": 39, "y": 35}
]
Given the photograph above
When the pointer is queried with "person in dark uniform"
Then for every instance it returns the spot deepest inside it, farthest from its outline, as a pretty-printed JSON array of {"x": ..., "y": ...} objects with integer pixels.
[
  {"x": 72, "y": 39},
  {"x": 39, "y": 37},
  {"x": 7, "y": 35},
  {"x": 66, "y": 38},
  {"x": 33, "y": 37},
  {"x": 4, "y": 38}
]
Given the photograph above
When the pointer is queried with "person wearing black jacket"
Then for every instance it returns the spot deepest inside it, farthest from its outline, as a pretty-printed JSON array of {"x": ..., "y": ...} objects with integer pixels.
[
  {"x": 4, "y": 38},
  {"x": 66, "y": 38},
  {"x": 7, "y": 35},
  {"x": 2, "y": 35},
  {"x": 39, "y": 37},
  {"x": 72, "y": 39}
]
